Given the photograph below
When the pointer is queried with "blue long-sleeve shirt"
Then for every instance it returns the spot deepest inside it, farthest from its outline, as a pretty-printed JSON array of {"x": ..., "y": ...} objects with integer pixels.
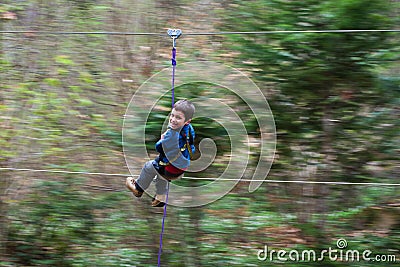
[{"x": 171, "y": 146}]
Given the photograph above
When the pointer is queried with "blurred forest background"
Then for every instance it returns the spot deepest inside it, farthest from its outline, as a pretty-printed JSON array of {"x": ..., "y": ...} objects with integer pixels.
[{"x": 335, "y": 99}]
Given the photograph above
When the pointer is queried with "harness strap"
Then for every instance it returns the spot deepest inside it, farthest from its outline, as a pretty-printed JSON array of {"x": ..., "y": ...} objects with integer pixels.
[{"x": 188, "y": 146}]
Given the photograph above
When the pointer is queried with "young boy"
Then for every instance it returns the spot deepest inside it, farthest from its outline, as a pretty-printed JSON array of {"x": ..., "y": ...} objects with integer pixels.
[{"x": 175, "y": 148}]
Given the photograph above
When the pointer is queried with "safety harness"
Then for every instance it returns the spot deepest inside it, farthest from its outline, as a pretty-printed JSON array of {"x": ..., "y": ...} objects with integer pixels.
[{"x": 172, "y": 172}]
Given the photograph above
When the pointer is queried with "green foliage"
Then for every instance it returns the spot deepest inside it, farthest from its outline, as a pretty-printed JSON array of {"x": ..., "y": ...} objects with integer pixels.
[
  {"x": 327, "y": 87},
  {"x": 45, "y": 234}
]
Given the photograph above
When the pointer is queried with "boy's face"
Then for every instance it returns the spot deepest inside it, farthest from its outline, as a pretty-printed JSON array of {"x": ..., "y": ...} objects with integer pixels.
[{"x": 177, "y": 119}]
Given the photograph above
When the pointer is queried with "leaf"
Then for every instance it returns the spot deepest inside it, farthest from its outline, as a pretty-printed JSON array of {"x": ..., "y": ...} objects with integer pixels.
[
  {"x": 65, "y": 60},
  {"x": 85, "y": 102},
  {"x": 53, "y": 82}
]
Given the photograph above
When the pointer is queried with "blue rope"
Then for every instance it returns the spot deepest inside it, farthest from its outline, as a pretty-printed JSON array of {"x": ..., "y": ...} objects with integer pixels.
[
  {"x": 162, "y": 228},
  {"x": 173, "y": 61},
  {"x": 166, "y": 199}
]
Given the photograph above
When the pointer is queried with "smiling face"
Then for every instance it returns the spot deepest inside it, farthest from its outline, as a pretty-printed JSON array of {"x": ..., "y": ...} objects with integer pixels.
[{"x": 177, "y": 119}]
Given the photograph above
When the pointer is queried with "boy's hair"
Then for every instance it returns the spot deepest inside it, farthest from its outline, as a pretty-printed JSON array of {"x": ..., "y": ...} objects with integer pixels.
[{"x": 186, "y": 107}]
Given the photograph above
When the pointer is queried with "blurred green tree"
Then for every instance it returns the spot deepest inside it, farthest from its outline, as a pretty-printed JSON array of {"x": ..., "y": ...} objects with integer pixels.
[
  {"x": 334, "y": 111},
  {"x": 60, "y": 222}
]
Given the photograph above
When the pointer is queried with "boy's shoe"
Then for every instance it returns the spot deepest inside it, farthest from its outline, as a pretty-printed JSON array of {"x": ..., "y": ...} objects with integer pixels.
[
  {"x": 133, "y": 187},
  {"x": 159, "y": 200}
]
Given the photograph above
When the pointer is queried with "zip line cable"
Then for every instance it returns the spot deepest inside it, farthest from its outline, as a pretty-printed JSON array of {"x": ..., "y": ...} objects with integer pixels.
[
  {"x": 199, "y": 178},
  {"x": 197, "y": 33},
  {"x": 293, "y": 31}
]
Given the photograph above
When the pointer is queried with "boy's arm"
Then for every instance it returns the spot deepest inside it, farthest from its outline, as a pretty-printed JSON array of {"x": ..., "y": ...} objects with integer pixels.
[{"x": 165, "y": 138}]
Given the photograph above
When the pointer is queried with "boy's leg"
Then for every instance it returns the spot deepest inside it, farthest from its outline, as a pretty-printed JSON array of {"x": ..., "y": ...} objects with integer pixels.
[
  {"x": 146, "y": 175},
  {"x": 161, "y": 192},
  {"x": 161, "y": 185}
]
